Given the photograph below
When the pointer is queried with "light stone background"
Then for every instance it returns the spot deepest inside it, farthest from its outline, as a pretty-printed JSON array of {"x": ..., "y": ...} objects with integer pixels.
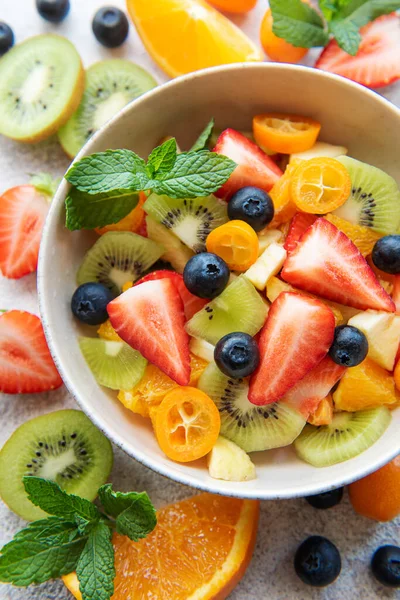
[{"x": 283, "y": 524}]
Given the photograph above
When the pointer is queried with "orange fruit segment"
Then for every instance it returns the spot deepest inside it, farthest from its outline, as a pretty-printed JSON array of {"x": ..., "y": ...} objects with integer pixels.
[
  {"x": 234, "y": 6},
  {"x": 363, "y": 237},
  {"x": 280, "y": 194},
  {"x": 236, "y": 243},
  {"x": 186, "y": 35},
  {"x": 200, "y": 549},
  {"x": 323, "y": 414},
  {"x": 286, "y": 134},
  {"x": 107, "y": 332},
  {"x": 131, "y": 222},
  {"x": 275, "y": 47}
]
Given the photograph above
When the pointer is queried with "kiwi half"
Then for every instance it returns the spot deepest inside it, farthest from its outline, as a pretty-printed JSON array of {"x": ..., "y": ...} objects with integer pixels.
[
  {"x": 374, "y": 200},
  {"x": 251, "y": 427},
  {"x": 63, "y": 446},
  {"x": 348, "y": 435},
  {"x": 176, "y": 253},
  {"x": 110, "y": 85},
  {"x": 41, "y": 85},
  {"x": 118, "y": 257}
]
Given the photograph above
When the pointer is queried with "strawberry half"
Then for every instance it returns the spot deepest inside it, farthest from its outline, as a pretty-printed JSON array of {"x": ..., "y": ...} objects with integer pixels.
[
  {"x": 150, "y": 318},
  {"x": 327, "y": 263},
  {"x": 298, "y": 225},
  {"x": 26, "y": 365},
  {"x": 254, "y": 167},
  {"x": 377, "y": 62},
  {"x": 295, "y": 338}
]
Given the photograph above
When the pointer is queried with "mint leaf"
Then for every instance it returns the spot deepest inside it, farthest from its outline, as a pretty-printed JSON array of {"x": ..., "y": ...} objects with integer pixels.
[
  {"x": 162, "y": 159},
  {"x": 95, "y": 568},
  {"x": 347, "y": 35},
  {"x": 298, "y": 23},
  {"x": 87, "y": 211},
  {"x": 108, "y": 171},
  {"x": 202, "y": 141}
]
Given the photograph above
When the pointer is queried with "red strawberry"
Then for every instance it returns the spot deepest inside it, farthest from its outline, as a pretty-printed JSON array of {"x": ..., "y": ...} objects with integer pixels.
[
  {"x": 298, "y": 225},
  {"x": 325, "y": 262},
  {"x": 26, "y": 365},
  {"x": 295, "y": 338},
  {"x": 377, "y": 62},
  {"x": 150, "y": 318},
  {"x": 316, "y": 385},
  {"x": 254, "y": 166}
]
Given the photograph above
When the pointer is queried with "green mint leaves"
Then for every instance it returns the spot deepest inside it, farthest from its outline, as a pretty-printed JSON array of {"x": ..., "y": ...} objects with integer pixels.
[
  {"x": 97, "y": 210},
  {"x": 202, "y": 141},
  {"x": 77, "y": 536},
  {"x": 298, "y": 23},
  {"x": 162, "y": 159}
]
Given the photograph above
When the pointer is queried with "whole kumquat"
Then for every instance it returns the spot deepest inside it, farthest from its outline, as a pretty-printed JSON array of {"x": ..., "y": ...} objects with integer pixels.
[{"x": 275, "y": 47}]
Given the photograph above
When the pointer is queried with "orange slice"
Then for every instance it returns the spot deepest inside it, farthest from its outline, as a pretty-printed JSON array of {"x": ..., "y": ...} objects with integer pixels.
[
  {"x": 200, "y": 549},
  {"x": 284, "y": 207},
  {"x": 186, "y": 35}
]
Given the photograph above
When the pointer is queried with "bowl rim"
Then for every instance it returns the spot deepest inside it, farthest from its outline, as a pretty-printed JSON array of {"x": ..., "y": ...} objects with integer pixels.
[{"x": 167, "y": 470}]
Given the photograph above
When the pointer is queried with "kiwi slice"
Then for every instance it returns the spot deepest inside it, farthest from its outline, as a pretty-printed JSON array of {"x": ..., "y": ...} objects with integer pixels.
[
  {"x": 176, "y": 253},
  {"x": 118, "y": 257},
  {"x": 374, "y": 200},
  {"x": 41, "y": 85},
  {"x": 348, "y": 435},
  {"x": 114, "y": 364},
  {"x": 251, "y": 427},
  {"x": 191, "y": 219},
  {"x": 110, "y": 85},
  {"x": 63, "y": 446},
  {"x": 238, "y": 308}
]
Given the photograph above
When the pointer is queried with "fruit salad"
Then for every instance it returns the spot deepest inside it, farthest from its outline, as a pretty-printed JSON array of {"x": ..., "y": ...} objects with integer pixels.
[{"x": 247, "y": 295}]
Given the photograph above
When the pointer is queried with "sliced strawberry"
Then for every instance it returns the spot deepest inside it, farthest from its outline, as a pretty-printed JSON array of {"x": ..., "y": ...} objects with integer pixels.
[
  {"x": 254, "y": 166},
  {"x": 377, "y": 62},
  {"x": 298, "y": 225},
  {"x": 325, "y": 262},
  {"x": 295, "y": 338},
  {"x": 150, "y": 318},
  {"x": 26, "y": 365}
]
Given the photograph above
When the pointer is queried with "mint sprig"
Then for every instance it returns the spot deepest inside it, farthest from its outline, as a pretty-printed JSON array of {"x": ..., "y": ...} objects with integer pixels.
[
  {"x": 88, "y": 211},
  {"x": 95, "y": 569},
  {"x": 202, "y": 141},
  {"x": 298, "y": 23}
]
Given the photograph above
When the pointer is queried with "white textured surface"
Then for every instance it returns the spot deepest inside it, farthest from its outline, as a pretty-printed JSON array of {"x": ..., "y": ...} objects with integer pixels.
[{"x": 283, "y": 524}]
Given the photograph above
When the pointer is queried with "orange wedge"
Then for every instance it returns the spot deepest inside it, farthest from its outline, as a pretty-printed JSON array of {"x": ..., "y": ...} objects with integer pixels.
[
  {"x": 186, "y": 35},
  {"x": 200, "y": 550}
]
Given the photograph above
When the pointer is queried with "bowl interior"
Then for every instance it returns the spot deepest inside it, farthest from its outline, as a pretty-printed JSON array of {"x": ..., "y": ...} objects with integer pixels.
[{"x": 350, "y": 116}]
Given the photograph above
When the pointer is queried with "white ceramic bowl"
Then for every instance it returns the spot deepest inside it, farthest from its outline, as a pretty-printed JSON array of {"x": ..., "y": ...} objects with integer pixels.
[{"x": 350, "y": 115}]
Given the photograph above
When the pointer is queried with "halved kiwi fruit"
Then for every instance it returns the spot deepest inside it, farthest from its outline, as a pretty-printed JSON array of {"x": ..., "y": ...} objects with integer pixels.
[
  {"x": 176, "y": 253},
  {"x": 63, "y": 446},
  {"x": 110, "y": 85},
  {"x": 41, "y": 85},
  {"x": 251, "y": 427}
]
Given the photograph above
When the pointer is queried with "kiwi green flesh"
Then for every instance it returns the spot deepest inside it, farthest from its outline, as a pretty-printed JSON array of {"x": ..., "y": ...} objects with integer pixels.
[
  {"x": 110, "y": 85},
  {"x": 251, "y": 427},
  {"x": 348, "y": 435},
  {"x": 374, "y": 200},
  {"x": 190, "y": 219},
  {"x": 37, "y": 81},
  {"x": 238, "y": 308},
  {"x": 175, "y": 252},
  {"x": 63, "y": 446},
  {"x": 118, "y": 257}
]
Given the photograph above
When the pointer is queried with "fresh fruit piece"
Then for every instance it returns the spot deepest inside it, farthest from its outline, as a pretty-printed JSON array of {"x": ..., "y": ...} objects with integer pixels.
[
  {"x": 110, "y": 85},
  {"x": 363, "y": 237},
  {"x": 236, "y": 243},
  {"x": 89, "y": 303},
  {"x": 209, "y": 38},
  {"x": 350, "y": 345},
  {"x": 386, "y": 254},
  {"x": 63, "y": 446},
  {"x": 284, "y": 206},
  {"x": 252, "y": 205},
  {"x": 6, "y": 38},
  {"x": 295, "y": 338},
  {"x": 150, "y": 318},
  {"x": 323, "y": 414},
  {"x": 317, "y": 561},
  {"x": 347, "y": 436},
  {"x": 327, "y": 263},
  {"x": 191, "y": 219},
  {"x": 229, "y": 462},
  {"x": 107, "y": 332},
  {"x": 187, "y": 424},
  {"x": 26, "y": 363},
  {"x": 110, "y": 26},
  {"x": 385, "y": 566},
  {"x": 175, "y": 252},
  {"x": 234, "y": 6},
  {"x": 374, "y": 200},
  {"x": 202, "y": 349},
  {"x": 131, "y": 222},
  {"x": 319, "y": 150},
  {"x": 268, "y": 237},
  {"x": 253, "y": 428},
  {"x": 118, "y": 257},
  {"x": 298, "y": 225},
  {"x": 285, "y": 133},
  {"x": 275, "y": 47},
  {"x": 54, "y": 11},
  {"x": 237, "y": 355},
  {"x": 326, "y": 499},
  {"x": 365, "y": 386},
  {"x": 41, "y": 85},
  {"x": 375, "y": 64},
  {"x": 396, "y": 293},
  {"x": 377, "y": 496},
  {"x": 382, "y": 331},
  {"x": 254, "y": 167},
  {"x": 238, "y": 308},
  {"x": 206, "y": 275},
  {"x": 266, "y": 266}
]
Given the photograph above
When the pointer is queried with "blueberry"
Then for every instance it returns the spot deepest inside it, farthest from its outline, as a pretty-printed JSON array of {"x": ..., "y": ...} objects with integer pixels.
[
  {"x": 237, "y": 355},
  {"x": 206, "y": 275},
  {"x": 386, "y": 254},
  {"x": 326, "y": 499},
  {"x": 110, "y": 26},
  {"x": 349, "y": 347},
  {"x": 89, "y": 303},
  {"x": 6, "y": 38},
  {"x": 253, "y": 205},
  {"x": 53, "y": 10},
  {"x": 385, "y": 566},
  {"x": 317, "y": 561}
]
